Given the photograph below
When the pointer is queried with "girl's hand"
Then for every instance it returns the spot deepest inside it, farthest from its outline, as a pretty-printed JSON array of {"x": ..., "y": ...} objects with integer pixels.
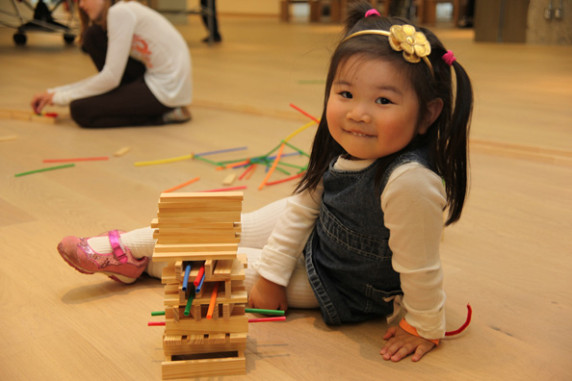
[
  {"x": 41, "y": 100},
  {"x": 400, "y": 344},
  {"x": 267, "y": 295}
]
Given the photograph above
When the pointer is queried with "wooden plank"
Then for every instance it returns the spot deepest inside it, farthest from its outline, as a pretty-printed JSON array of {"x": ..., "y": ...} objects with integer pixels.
[
  {"x": 195, "y": 248},
  {"x": 201, "y": 256},
  {"x": 235, "y": 324},
  {"x": 192, "y": 197},
  {"x": 204, "y": 368}
]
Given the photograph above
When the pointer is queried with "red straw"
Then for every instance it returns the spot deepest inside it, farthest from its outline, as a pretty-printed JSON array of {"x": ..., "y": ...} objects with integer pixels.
[
  {"x": 155, "y": 323},
  {"x": 199, "y": 276},
  {"x": 181, "y": 185},
  {"x": 286, "y": 179},
  {"x": 250, "y": 168},
  {"x": 465, "y": 324},
  {"x": 76, "y": 159},
  {"x": 261, "y": 320},
  {"x": 304, "y": 113}
]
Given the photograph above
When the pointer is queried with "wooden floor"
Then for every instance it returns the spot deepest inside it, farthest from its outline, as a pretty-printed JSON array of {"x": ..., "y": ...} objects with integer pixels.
[{"x": 510, "y": 256}]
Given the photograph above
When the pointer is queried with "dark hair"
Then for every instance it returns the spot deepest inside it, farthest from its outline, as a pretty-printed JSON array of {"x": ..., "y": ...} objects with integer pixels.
[{"x": 446, "y": 139}]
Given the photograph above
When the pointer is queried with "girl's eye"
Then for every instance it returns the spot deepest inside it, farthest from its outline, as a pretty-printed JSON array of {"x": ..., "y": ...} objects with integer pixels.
[
  {"x": 382, "y": 101},
  {"x": 346, "y": 94}
]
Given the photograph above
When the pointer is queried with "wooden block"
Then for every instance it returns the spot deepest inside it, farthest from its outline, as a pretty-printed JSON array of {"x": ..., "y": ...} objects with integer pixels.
[
  {"x": 168, "y": 257},
  {"x": 206, "y": 368},
  {"x": 42, "y": 119},
  {"x": 122, "y": 151},
  {"x": 195, "y": 248},
  {"x": 196, "y": 217},
  {"x": 228, "y": 180},
  {"x": 235, "y": 324},
  {"x": 20, "y": 115},
  {"x": 209, "y": 267},
  {"x": 196, "y": 197}
]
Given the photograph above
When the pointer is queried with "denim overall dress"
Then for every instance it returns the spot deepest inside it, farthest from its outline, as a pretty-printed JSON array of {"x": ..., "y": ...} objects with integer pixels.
[{"x": 347, "y": 256}]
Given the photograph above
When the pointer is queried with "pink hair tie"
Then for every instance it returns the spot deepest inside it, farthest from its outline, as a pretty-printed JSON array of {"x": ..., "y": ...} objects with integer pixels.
[
  {"x": 372, "y": 12},
  {"x": 449, "y": 57}
]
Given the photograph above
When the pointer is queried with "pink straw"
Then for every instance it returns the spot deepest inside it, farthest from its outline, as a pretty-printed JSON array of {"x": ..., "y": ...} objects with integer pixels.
[{"x": 261, "y": 320}]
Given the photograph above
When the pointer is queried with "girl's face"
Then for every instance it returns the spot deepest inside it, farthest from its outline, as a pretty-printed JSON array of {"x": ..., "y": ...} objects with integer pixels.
[
  {"x": 372, "y": 108},
  {"x": 92, "y": 8}
]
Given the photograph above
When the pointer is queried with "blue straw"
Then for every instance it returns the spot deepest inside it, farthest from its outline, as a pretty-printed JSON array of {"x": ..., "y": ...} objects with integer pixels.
[{"x": 186, "y": 279}]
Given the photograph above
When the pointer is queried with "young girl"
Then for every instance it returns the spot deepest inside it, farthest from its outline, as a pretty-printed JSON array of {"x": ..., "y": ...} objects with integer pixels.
[
  {"x": 144, "y": 69},
  {"x": 360, "y": 237}
]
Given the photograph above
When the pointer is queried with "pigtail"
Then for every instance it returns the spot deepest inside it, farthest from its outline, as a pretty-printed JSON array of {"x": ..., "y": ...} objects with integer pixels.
[{"x": 451, "y": 157}]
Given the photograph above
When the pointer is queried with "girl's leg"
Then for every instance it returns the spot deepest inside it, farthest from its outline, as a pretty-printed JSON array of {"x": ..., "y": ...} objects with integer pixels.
[
  {"x": 132, "y": 104},
  {"x": 258, "y": 225}
]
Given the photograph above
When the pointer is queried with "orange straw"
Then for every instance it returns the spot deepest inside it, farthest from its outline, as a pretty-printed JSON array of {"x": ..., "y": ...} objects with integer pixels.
[
  {"x": 212, "y": 302},
  {"x": 263, "y": 183},
  {"x": 181, "y": 185},
  {"x": 75, "y": 159}
]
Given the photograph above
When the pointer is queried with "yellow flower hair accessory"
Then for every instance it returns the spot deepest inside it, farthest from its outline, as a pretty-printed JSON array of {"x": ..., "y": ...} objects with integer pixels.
[{"x": 406, "y": 39}]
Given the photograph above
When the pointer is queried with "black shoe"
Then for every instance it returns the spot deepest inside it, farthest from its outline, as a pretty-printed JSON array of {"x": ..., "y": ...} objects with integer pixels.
[{"x": 215, "y": 39}]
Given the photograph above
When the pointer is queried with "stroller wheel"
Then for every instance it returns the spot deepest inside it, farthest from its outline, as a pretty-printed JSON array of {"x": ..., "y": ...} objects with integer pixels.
[
  {"x": 20, "y": 38},
  {"x": 69, "y": 38}
]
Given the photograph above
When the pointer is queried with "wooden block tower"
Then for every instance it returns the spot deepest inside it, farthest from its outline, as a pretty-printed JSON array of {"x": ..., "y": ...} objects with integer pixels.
[{"x": 205, "y": 324}]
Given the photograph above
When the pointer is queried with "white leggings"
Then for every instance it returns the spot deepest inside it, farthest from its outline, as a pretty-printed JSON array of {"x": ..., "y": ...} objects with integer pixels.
[{"x": 256, "y": 229}]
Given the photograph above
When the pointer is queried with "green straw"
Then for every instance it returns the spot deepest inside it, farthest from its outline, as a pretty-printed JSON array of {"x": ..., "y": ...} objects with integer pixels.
[
  {"x": 265, "y": 312},
  {"x": 44, "y": 169},
  {"x": 157, "y": 313},
  {"x": 188, "y": 307}
]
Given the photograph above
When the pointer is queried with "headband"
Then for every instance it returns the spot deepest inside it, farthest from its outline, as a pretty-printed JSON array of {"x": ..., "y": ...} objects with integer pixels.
[{"x": 404, "y": 38}]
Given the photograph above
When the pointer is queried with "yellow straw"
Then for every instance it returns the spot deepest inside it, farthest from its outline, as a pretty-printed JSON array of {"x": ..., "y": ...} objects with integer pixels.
[
  {"x": 309, "y": 124},
  {"x": 163, "y": 161}
]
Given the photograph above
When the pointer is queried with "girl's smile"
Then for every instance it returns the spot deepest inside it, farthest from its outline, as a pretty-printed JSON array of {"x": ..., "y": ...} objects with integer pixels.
[{"x": 372, "y": 109}]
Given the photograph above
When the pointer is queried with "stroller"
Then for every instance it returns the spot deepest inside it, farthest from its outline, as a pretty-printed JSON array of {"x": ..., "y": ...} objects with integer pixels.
[{"x": 42, "y": 21}]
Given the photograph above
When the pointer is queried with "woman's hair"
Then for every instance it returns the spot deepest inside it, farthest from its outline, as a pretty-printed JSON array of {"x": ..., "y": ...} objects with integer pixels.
[
  {"x": 446, "y": 139},
  {"x": 85, "y": 22}
]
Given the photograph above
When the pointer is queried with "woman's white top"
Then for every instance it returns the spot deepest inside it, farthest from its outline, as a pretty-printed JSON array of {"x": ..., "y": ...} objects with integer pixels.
[{"x": 140, "y": 32}]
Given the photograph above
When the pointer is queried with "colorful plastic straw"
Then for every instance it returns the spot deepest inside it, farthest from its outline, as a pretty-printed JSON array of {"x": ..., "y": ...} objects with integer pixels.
[
  {"x": 199, "y": 278},
  {"x": 264, "y": 312},
  {"x": 155, "y": 323},
  {"x": 304, "y": 113},
  {"x": 188, "y": 306},
  {"x": 296, "y": 132},
  {"x": 221, "y": 151},
  {"x": 44, "y": 170},
  {"x": 176, "y": 187},
  {"x": 157, "y": 313},
  {"x": 226, "y": 189},
  {"x": 212, "y": 303},
  {"x": 260, "y": 320},
  {"x": 75, "y": 159},
  {"x": 198, "y": 288},
  {"x": 273, "y": 166},
  {"x": 186, "y": 278},
  {"x": 163, "y": 161},
  {"x": 286, "y": 179}
]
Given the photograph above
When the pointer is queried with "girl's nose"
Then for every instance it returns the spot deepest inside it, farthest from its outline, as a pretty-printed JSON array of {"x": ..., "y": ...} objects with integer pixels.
[{"x": 359, "y": 113}]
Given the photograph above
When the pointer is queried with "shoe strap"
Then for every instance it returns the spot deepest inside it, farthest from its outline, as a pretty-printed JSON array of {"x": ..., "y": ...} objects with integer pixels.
[{"x": 117, "y": 246}]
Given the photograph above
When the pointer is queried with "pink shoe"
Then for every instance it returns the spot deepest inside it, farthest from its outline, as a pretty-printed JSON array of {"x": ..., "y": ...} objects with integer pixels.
[{"x": 120, "y": 265}]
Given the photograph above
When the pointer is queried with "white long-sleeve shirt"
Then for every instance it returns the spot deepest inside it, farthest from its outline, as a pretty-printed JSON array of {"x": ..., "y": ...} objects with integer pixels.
[
  {"x": 140, "y": 32},
  {"x": 412, "y": 203}
]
